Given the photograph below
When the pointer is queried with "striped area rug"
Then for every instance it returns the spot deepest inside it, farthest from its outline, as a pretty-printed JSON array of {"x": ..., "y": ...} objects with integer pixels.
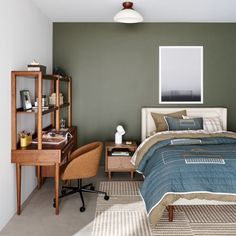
[
  {"x": 117, "y": 223},
  {"x": 124, "y": 215},
  {"x": 121, "y": 188}
]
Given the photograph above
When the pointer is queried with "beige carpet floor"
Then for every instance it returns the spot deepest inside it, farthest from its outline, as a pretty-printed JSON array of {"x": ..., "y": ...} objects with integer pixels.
[
  {"x": 38, "y": 218},
  {"x": 124, "y": 214}
]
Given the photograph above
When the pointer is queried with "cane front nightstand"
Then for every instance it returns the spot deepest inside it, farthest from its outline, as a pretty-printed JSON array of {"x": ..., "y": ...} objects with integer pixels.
[{"x": 118, "y": 157}]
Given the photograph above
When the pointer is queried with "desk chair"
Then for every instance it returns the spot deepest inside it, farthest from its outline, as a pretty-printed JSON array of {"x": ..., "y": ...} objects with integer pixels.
[{"x": 83, "y": 163}]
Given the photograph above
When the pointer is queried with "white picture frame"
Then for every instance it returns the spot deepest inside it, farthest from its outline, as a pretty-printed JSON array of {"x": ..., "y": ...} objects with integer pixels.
[{"x": 181, "y": 74}]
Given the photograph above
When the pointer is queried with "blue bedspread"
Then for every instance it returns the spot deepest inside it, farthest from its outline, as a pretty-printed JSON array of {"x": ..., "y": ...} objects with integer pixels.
[{"x": 198, "y": 165}]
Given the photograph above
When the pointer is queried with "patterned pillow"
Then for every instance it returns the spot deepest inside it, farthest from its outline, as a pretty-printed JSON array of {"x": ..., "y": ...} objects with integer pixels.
[
  {"x": 184, "y": 124},
  {"x": 160, "y": 121},
  {"x": 210, "y": 124}
]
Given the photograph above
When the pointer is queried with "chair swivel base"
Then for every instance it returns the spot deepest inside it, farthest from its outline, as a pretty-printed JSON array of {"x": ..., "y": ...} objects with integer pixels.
[{"x": 89, "y": 188}]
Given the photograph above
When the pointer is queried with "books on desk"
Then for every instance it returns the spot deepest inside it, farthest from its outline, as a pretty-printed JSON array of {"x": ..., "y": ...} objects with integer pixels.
[
  {"x": 55, "y": 141},
  {"x": 54, "y": 137}
]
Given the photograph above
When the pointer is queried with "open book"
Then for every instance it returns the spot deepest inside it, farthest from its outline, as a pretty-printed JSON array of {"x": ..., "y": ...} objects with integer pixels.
[{"x": 54, "y": 137}]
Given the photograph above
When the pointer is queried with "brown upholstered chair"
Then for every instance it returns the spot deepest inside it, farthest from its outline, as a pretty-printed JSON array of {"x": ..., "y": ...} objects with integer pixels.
[{"x": 83, "y": 163}]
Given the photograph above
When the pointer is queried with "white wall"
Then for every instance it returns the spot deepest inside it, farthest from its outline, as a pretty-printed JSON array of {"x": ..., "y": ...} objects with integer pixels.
[{"x": 25, "y": 34}]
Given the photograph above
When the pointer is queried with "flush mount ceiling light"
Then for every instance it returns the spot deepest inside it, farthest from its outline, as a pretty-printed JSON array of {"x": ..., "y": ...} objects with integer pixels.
[{"x": 128, "y": 14}]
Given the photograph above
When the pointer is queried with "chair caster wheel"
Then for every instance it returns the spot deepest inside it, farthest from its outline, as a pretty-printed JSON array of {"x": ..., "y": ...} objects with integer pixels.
[
  {"x": 92, "y": 188},
  {"x": 63, "y": 191},
  {"x": 106, "y": 197},
  {"x": 82, "y": 209}
]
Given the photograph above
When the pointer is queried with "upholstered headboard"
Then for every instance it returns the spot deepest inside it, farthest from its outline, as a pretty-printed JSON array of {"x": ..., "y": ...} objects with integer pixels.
[{"x": 148, "y": 125}]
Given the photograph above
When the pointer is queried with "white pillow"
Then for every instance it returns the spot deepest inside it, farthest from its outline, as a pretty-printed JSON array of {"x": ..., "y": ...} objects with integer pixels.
[{"x": 210, "y": 124}]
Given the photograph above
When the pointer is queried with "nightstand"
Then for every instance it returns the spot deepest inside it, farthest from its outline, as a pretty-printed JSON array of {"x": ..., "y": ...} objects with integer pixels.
[{"x": 118, "y": 157}]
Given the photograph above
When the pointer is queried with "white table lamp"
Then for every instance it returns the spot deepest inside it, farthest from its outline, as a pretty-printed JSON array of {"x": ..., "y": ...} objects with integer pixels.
[{"x": 118, "y": 136}]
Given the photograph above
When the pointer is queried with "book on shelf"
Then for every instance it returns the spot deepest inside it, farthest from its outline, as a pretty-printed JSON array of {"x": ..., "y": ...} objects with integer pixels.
[
  {"x": 43, "y": 107},
  {"x": 54, "y": 137},
  {"x": 37, "y": 68},
  {"x": 120, "y": 153}
]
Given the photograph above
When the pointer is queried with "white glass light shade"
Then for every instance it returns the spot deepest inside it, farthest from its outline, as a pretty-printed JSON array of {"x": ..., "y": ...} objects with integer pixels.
[
  {"x": 118, "y": 135},
  {"x": 128, "y": 16},
  {"x": 120, "y": 129}
]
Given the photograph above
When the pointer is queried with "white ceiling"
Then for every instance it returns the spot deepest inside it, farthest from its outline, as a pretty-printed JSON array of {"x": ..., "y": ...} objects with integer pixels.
[{"x": 152, "y": 10}]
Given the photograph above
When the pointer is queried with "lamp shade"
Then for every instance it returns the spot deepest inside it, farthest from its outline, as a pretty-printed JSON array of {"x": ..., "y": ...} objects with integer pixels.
[
  {"x": 118, "y": 135},
  {"x": 120, "y": 129},
  {"x": 128, "y": 14}
]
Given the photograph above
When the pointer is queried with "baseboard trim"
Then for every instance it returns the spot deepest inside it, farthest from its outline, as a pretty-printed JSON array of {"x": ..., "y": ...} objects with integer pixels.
[{"x": 29, "y": 198}]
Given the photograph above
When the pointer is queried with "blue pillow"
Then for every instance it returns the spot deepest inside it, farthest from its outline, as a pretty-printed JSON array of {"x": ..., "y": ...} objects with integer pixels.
[{"x": 184, "y": 124}]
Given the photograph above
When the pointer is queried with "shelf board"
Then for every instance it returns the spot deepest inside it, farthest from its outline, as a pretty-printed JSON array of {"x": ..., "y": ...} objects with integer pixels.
[
  {"x": 30, "y": 74},
  {"x": 34, "y": 75},
  {"x": 66, "y": 79},
  {"x": 44, "y": 111},
  {"x": 51, "y": 109},
  {"x": 32, "y": 111},
  {"x": 49, "y": 77}
]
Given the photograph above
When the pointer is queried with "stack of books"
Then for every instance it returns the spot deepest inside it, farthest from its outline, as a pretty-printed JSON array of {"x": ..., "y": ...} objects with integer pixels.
[
  {"x": 37, "y": 68},
  {"x": 54, "y": 137},
  {"x": 34, "y": 108},
  {"x": 120, "y": 153}
]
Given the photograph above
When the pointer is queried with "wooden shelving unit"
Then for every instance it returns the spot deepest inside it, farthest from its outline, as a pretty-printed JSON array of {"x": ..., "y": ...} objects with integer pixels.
[
  {"x": 48, "y": 155},
  {"x": 55, "y": 110}
]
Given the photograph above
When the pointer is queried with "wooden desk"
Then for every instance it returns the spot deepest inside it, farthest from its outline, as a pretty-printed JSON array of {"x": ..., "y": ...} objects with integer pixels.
[{"x": 50, "y": 155}]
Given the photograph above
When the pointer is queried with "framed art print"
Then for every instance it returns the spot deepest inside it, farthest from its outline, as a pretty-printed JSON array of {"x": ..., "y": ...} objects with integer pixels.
[{"x": 180, "y": 74}]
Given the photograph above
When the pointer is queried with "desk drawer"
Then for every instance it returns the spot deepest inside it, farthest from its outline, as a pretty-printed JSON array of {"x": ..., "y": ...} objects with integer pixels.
[
  {"x": 66, "y": 150},
  {"x": 49, "y": 171}
]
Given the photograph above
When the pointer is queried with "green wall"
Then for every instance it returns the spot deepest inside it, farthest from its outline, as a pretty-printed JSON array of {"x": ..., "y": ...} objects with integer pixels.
[{"x": 115, "y": 70}]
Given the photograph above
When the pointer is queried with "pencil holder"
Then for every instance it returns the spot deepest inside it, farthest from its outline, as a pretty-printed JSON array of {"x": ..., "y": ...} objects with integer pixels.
[{"x": 25, "y": 141}]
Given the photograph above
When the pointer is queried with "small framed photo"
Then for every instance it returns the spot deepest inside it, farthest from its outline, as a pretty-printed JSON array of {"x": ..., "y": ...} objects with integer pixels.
[{"x": 25, "y": 99}]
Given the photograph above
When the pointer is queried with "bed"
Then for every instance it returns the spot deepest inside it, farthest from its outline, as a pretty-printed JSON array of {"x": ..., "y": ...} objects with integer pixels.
[{"x": 220, "y": 145}]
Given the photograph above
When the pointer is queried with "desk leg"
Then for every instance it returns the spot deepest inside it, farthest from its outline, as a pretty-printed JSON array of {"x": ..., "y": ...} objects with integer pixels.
[
  {"x": 57, "y": 188},
  {"x": 18, "y": 187}
]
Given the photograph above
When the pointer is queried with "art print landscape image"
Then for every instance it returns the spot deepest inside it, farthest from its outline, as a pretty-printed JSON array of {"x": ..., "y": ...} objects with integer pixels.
[{"x": 181, "y": 74}]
